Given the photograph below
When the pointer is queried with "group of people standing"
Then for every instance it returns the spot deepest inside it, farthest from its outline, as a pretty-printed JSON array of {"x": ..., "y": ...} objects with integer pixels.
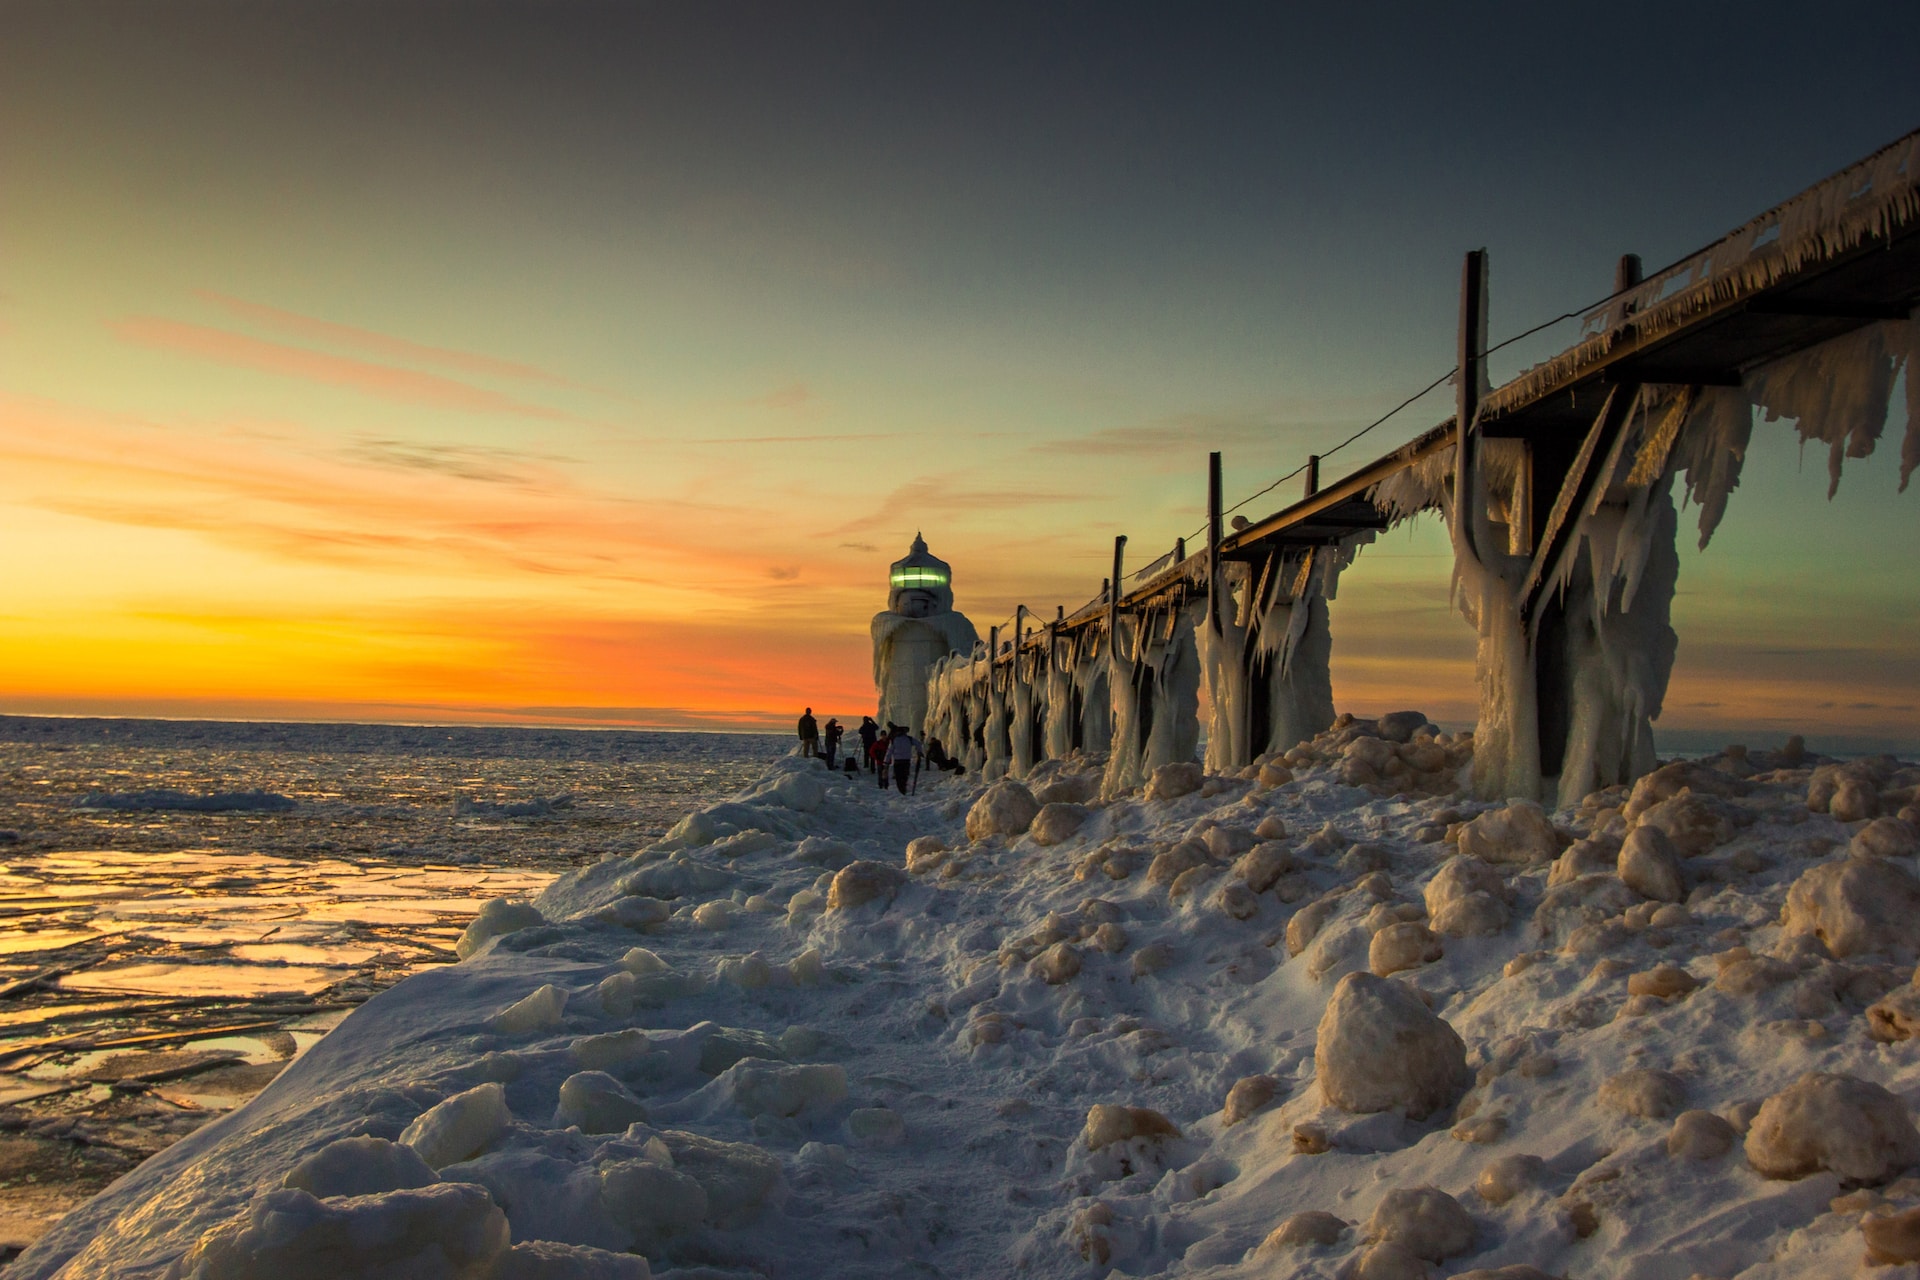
[{"x": 890, "y": 754}]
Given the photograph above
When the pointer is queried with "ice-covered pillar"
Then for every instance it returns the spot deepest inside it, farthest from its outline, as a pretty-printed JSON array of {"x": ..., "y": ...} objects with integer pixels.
[
  {"x": 1062, "y": 714},
  {"x": 1175, "y": 732},
  {"x": 1506, "y": 759},
  {"x": 1021, "y": 699},
  {"x": 1290, "y": 681},
  {"x": 1093, "y": 700}
]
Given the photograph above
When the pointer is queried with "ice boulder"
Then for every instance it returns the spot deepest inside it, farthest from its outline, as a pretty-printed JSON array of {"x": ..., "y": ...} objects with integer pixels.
[
  {"x": 497, "y": 918},
  {"x": 924, "y": 853},
  {"x": 1519, "y": 833},
  {"x": 1850, "y": 1127},
  {"x": 1650, "y": 866},
  {"x": 551, "y": 1260},
  {"x": 597, "y": 1103},
  {"x": 1646, "y": 1092},
  {"x": 1057, "y": 822},
  {"x": 447, "y": 1231},
  {"x": 1891, "y": 1237},
  {"x": 1695, "y": 823},
  {"x": 762, "y": 1088},
  {"x": 1886, "y": 838},
  {"x": 1248, "y": 1095},
  {"x": 1005, "y": 809},
  {"x": 859, "y": 883},
  {"x": 651, "y": 1200},
  {"x": 824, "y": 851},
  {"x": 641, "y": 962},
  {"x": 615, "y": 993},
  {"x": 540, "y": 1011},
  {"x": 614, "y": 1049},
  {"x": 1171, "y": 781},
  {"x": 801, "y": 792},
  {"x": 739, "y": 1178},
  {"x": 1400, "y": 726},
  {"x": 1108, "y": 1124},
  {"x": 1313, "y": 1227},
  {"x": 1425, "y": 1221},
  {"x": 460, "y": 1127},
  {"x": 362, "y": 1166},
  {"x": 1466, "y": 898},
  {"x": 1380, "y": 1047},
  {"x": 634, "y": 911},
  {"x": 1405, "y": 945},
  {"x": 1856, "y": 905},
  {"x": 1261, "y": 867}
]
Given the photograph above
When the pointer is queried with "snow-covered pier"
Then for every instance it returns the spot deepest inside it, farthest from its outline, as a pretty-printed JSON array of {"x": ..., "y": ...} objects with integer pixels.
[{"x": 1557, "y": 488}]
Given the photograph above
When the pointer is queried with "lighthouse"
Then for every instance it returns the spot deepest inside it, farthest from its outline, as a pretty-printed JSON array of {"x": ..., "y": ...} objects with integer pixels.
[{"x": 917, "y": 629}]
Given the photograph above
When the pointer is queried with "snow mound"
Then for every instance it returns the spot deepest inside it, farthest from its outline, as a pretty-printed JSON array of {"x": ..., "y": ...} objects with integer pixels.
[{"x": 449, "y": 1231}]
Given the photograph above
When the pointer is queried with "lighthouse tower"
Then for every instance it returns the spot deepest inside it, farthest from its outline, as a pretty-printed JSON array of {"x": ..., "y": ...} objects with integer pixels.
[{"x": 917, "y": 629}]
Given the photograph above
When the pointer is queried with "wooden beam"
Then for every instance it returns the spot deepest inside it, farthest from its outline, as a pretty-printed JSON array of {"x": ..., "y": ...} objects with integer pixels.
[
  {"x": 1470, "y": 355},
  {"x": 1341, "y": 491},
  {"x": 1837, "y": 310},
  {"x": 1597, "y": 452}
]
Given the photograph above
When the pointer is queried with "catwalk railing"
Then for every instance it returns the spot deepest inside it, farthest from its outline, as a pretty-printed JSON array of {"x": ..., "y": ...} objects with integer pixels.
[{"x": 1557, "y": 492}]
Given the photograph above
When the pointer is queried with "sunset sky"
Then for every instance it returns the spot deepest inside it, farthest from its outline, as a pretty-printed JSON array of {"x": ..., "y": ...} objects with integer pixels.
[{"x": 589, "y": 363}]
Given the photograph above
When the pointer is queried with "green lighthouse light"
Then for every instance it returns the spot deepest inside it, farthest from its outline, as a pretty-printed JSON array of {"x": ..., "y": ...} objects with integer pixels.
[{"x": 919, "y": 576}]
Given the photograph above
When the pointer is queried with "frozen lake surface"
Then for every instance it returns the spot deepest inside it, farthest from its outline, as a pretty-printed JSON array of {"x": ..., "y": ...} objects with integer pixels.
[{"x": 185, "y": 906}]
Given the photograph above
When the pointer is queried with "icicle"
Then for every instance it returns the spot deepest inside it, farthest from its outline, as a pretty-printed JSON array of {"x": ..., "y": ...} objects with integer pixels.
[{"x": 1837, "y": 393}]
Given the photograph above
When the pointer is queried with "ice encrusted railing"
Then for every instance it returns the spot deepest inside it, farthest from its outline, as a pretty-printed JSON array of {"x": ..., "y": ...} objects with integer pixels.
[{"x": 1867, "y": 200}]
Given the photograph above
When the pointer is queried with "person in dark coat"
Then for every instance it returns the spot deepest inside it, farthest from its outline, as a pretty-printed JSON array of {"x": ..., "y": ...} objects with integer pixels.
[
  {"x": 868, "y": 732},
  {"x": 831, "y": 738},
  {"x": 809, "y": 734},
  {"x": 936, "y": 755}
]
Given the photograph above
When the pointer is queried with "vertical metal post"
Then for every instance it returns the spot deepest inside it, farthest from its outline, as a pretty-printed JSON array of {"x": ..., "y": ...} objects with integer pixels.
[
  {"x": 1019, "y": 638},
  {"x": 1213, "y": 542},
  {"x": 1313, "y": 475},
  {"x": 993, "y": 655},
  {"x": 1113, "y": 595},
  {"x": 1626, "y": 274},
  {"x": 1179, "y": 551},
  {"x": 1467, "y": 373}
]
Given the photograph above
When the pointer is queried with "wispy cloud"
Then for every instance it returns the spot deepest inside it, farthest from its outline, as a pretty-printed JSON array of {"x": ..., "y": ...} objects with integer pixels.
[
  {"x": 483, "y": 463},
  {"x": 354, "y": 338},
  {"x": 408, "y": 386},
  {"x": 934, "y": 495},
  {"x": 791, "y": 396}
]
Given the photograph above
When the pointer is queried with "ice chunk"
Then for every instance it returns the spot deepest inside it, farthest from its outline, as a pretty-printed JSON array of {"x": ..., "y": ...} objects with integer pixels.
[
  {"x": 1518, "y": 833},
  {"x": 615, "y": 994},
  {"x": 824, "y": 851},
  {"x": 634, "y": 911},
  {"x": 597, "y": 1103},
  {"x": 1006, "y": 809},
  {"x": 1379, "y": 1046},
  {"x": 598, "y": 1053},
  {"x": 716, "y": 915},
  {"x": 360, "y": 1167},
  {"x": 652, "y": 1200},
  {"x": 748, "y": 972},
  {"x": 1466, "y": 898},
  {"x": 1851, "y": 1127},
  {"x": 1425, "y": 1221},
  {"x": 550, "y": 1260},
  {"x": 739, "y": 1178},
  {"x": 759, "y": 1087},
  {"x": 539, "y": 1011},
  {"x": 459, "y": 1127},
  {"x": 1175, "y": 779},
  {"x": 859, "y": 883},
  {"x": 448, "y": 1231},
  {"x": 1856, "y": 905},
  {"x": 641, "y": 962},
  {"x": 1056, "y": 823},
  {"x": 497, "y": 918},
  {"x": 801, "y": 792}
]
